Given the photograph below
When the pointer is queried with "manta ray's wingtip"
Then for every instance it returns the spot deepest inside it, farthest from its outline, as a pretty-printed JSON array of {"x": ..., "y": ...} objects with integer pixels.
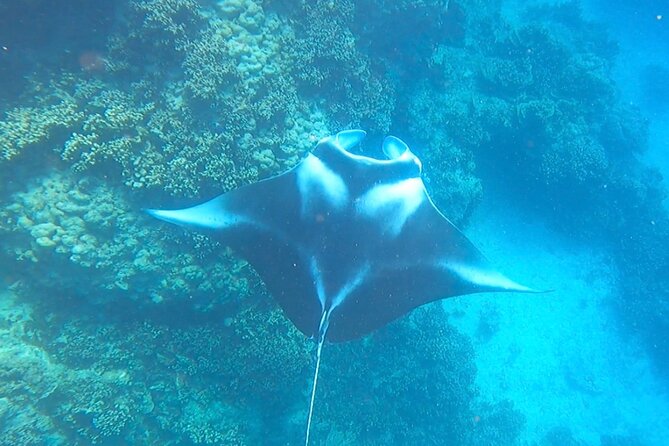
[
  {"x": 155, "y": 213},
  {"x": 208, "y": 215},
  {"x": 164, "y": 215},
  {"x": 515, "y": 287},
  {"x": 485, "y": 279}
]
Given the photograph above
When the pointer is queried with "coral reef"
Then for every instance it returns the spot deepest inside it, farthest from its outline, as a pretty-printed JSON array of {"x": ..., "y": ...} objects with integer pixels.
[
  {"x": 62, "y": 383},
  {"x": 84, "y": 235},
  {"x": 330, "y": 65},
  {"x": 23, "y": 127},
  {"x": 26, "y": 378},
  {"x": 230, "y": 383},
  {"x": 442, "y": 124},
  {"x": 159, "y": 133},
  {"x": 532, "y": 101},
  {"x": 412, "y": 383}
]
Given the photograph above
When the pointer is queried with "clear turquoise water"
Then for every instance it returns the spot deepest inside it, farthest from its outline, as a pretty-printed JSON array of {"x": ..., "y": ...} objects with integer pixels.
[{"x": 543, "y": 134}]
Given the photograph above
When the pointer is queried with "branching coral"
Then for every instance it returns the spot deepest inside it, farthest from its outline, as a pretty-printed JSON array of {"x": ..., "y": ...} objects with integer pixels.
[
  {"x": 59, "y": 391},
  {"x": 170, "y": 16},
  {"x": 26, "y": 127},
  {"x": 157, "y": 145},
  {"x": 97, "y": 405},
  {"x": 45, "y": 399},
  {"x": 538, "y": 109},
  {"x": 449, "y": 125},
  {"x": 242, "y": 48},
  {"x": 157, "y": 132},
  {"x": 212, "y": 423},
  {"x": 578, "y": 160},
  {"x": 112, "y": 129},
  {"x": 264, "y": 339},
  {"x": 327, "y": 59},
  {"x": 449, "y": 176},
  {"x": 26, "y": 378},
  {"x": 389, "y": 28},
  {"x": 504, "y": 77},
  {"x": 110, "y": 391}
]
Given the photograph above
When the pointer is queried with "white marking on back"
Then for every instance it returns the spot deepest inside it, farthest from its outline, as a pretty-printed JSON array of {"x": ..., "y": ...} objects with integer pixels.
[
  {"x": 315, "y": 180},
  {"x": 343, "y": 292},
  {"x": 392, "y": 204},
  {"x": 351, "y": 285},
  {"x": 484, "y": 277},
  {"x": 207, "y": 215},
  {"x": 316, "y": 274}
]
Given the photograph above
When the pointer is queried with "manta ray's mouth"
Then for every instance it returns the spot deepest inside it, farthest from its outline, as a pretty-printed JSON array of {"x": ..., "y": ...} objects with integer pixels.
[{"x": 393, "y": 148}]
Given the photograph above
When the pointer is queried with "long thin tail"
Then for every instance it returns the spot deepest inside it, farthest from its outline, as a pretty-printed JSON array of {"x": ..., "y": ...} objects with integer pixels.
[{"x": 322, "y": 329}]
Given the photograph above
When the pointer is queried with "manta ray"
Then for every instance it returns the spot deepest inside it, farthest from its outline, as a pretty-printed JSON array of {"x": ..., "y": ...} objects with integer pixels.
[{"x": 346, "y": 243}]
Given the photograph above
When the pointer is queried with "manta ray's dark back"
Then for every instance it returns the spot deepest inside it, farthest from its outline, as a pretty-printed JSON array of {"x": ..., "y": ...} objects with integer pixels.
[{"x": 346, "y": 243}]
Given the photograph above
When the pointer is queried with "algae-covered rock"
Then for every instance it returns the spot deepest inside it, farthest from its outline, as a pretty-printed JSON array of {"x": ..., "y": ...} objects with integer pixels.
[{"x": 87, "y": 238}]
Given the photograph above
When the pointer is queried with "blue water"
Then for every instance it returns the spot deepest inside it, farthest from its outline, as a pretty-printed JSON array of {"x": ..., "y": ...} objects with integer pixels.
[{"x": 543, "y": 132}]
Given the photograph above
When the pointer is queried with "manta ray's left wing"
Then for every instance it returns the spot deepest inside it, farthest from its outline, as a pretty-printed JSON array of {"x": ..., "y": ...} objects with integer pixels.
[{"x": 259, "y": 223}]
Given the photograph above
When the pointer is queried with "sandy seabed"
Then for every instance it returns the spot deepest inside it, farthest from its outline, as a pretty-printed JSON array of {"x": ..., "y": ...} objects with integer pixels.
[{"x": 558, "y": 356}]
